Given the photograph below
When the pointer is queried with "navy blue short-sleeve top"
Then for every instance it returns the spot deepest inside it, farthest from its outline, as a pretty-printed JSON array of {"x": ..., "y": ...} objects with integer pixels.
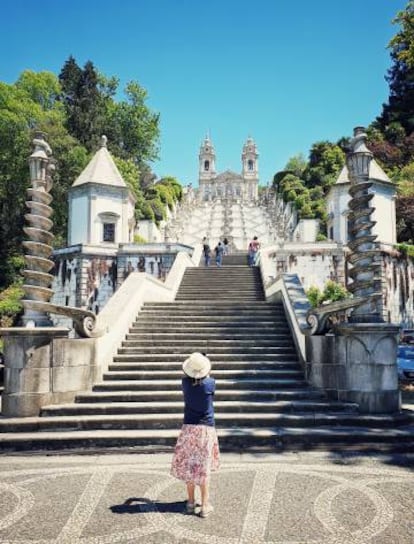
[{"x": 198, "y": 401}]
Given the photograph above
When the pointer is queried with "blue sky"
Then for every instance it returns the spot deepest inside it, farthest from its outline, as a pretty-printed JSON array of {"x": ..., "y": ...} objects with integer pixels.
[{"x": 287, "y": 72}]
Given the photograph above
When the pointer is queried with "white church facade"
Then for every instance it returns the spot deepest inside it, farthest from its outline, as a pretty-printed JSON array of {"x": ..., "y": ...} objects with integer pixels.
[{"x": 228, "y": 184}]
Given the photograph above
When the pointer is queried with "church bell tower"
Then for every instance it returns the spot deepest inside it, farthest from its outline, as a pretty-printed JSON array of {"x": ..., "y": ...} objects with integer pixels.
[
  {"x": 250, "y": 171},
  {"x": 207, "y": 160}
]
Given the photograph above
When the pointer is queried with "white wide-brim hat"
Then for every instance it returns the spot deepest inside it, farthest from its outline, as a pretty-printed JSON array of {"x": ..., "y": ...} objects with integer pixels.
[{"x": 197, "y": 366}]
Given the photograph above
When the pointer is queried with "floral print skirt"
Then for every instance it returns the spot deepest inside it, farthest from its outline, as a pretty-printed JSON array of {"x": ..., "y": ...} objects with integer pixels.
[{"x": 196, "y": 454}]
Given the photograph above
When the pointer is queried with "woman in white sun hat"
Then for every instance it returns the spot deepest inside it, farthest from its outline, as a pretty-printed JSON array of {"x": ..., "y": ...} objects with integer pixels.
[{"x": 197, "y": 452}]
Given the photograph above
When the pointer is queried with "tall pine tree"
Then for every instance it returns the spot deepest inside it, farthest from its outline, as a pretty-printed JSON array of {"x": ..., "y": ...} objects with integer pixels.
[
  {"x": 400, "y": 107},
  {"x": 83, "y": 102}
]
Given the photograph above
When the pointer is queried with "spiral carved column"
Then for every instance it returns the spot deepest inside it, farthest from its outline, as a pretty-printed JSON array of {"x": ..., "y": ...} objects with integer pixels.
[
  {"x": 38, "y": 246},
  {"x": 365, "y": 256}
]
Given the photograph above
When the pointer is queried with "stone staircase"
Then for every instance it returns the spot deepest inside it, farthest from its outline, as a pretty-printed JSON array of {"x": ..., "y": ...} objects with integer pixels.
[{"x": 262, "y": 403}]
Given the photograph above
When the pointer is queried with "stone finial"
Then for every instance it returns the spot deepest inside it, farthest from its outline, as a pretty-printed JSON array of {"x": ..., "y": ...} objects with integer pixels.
[
  {"x": 104, "y": 140},
  {"x": 39, "y": 160},
  {"x": 41, "y": 147},
  {"x": 358, "y": 142},
  {"x": 359, "y": 157}
]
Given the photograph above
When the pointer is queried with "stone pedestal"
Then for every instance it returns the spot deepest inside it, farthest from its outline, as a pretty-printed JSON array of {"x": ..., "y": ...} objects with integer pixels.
[
  {"x": 357, "y": 364},
  {"x": 29, "y": 355}
]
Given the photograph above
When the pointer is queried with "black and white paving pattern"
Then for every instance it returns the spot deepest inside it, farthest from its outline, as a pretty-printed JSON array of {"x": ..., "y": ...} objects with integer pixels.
[{"x": 309, "y": 498}]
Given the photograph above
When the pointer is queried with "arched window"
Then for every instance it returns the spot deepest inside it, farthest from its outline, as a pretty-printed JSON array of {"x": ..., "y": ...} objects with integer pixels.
[
  {"x": 206, "y": 166},
  {"x": 250, "y": 164}
]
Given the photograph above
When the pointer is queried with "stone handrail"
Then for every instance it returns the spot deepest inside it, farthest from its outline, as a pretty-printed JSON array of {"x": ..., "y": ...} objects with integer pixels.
[
  {"x": 323, "y": 318},
  {"x": 84, "y": 321},
  {"x": 288, "y": 289},
  {"x": 123, "y": 307}
]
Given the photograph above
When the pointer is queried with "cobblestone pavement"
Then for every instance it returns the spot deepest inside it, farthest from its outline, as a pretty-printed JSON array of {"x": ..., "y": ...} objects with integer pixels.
[{"x": 281, "y": 499}]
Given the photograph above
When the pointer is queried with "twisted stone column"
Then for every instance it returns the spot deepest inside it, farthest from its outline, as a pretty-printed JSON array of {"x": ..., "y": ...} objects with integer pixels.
[
  {"x": 38, "y": 225},
  {"x": 357, "y": 363},
  {"x": 365, "y": 255}
]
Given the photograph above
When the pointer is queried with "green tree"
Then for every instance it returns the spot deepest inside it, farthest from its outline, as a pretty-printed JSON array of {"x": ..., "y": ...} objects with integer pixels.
[
  {"x": 132, "y": 127},
  {"x": 84, "y": 101},
  {"x": 306, "y": 184},
  {"x": 32, "y": 102},
  {"x": 400, "y": 77},
  {"x": 296, "y": 165},
  {"x": 325, "y": 162}
]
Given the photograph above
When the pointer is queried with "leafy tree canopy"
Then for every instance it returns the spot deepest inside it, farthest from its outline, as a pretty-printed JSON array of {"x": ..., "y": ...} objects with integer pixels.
[{"x": 74, "y": 109}]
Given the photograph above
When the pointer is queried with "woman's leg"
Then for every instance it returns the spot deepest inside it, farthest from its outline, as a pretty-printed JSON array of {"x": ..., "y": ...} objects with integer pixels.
[
  {"x": 206, "y": 507},
  {"x": 204, "y": 488},
  {"x": 190, "y": 492}
]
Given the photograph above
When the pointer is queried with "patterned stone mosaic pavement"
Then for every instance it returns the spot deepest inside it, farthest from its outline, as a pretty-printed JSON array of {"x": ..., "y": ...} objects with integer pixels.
[{"x": 270, "y": 499}]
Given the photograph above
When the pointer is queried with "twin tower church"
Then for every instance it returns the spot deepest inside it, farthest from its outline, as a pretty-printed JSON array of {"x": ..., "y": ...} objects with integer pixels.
[{"x": 228, "y": 184}]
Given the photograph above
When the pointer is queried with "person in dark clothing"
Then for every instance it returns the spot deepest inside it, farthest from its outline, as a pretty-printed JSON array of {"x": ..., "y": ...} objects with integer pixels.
[
  {"x": 206, "y": 252},
  {"x": 219, "y": 249},
  {"x": 197, "y": 451}
]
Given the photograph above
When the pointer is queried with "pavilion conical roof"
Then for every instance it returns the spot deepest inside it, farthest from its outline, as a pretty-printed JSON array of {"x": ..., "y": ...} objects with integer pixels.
[{"x": 101, "y": 169}]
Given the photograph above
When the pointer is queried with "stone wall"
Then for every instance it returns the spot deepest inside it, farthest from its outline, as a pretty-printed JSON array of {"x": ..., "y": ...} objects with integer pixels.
[
  {"x": 154, "y": 259},
  {"x": 315, "y": 264},
  {"x": 88, "y": 276},
  {"x": 398, "y": 287}
]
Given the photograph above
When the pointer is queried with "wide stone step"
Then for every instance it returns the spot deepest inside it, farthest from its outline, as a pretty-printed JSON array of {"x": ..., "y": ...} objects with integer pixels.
[
  {"x": 213, "y": 350},
  {"x": 214, "y": 358},
  {"x": 220, "y": 336},
  {"x": 196, "y": 343},
  {"x": 174, "y": 395},
  {"x": 260, "y": 304},
  {"x": 192, "y": 310},
  {"x": 121, "y": 374},
  {"x": 219, "y": 290},
  {"x": 232, "y": 365},
  {"x": 236, "y": 326},
  {"x": 211, "y": 296},
  {"x": 233, "y": 270},
  {"x": 238, "y": 274},
  {"x": 173, "y": 384},
  {"x": 251, "y": 420},
  {"x": 227, "y": 281},
  {"x": 270, "y": 439},
  {"x": 207, "y": 298},
  {"x": 235, "y": 318},
  {"x": 177, "y": 406},
  {"x": 224, "y": 272}
]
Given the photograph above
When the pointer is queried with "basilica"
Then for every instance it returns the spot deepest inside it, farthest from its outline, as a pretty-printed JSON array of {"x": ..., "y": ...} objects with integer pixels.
[{"x": 229, "y": 185}]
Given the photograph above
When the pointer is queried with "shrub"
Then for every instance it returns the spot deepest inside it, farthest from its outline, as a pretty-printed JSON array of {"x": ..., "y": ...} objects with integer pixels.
[
  {"x": 406, "y": 249},
  {"x": 315, "y": 296},
  {"x": 332, "y": 292},
  {"x": 10, "y": 305},
  {"x": 138, "y": 239}
]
